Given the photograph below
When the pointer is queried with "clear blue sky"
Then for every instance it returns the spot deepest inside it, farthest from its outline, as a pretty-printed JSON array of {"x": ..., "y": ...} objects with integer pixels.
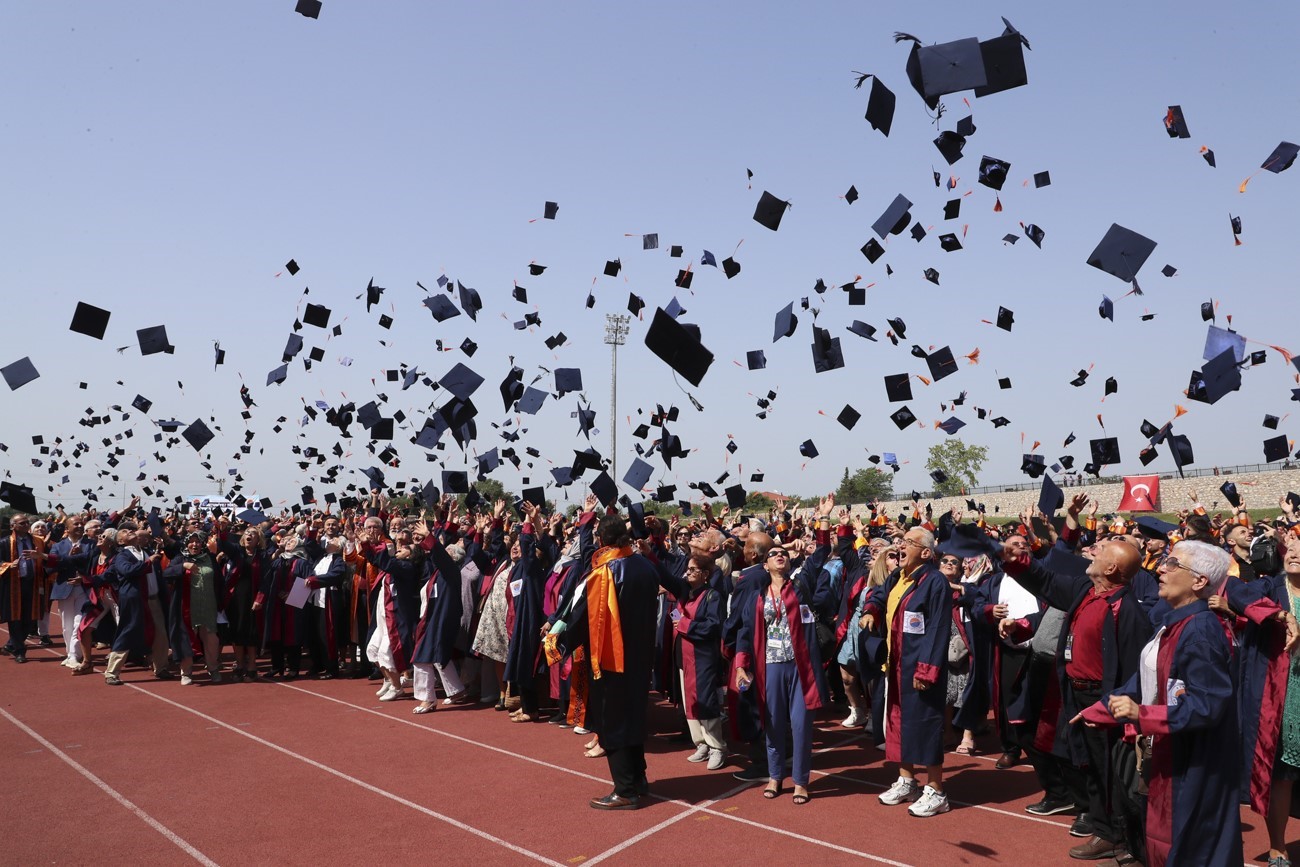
[{"x": 165, "y": 160}]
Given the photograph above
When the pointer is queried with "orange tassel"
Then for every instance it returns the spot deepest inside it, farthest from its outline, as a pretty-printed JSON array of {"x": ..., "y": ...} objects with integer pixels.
[
  {"x": 923, "y": 379},
  {"x": 974, "y": 357},
  {"x": 997, "y": 205},
  {"x": 1179, "y": 411}
]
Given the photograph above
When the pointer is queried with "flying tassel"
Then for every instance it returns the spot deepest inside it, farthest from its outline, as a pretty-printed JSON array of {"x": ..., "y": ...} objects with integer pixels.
[
  {"x": 974, "y": 357},
  {"x": 1242, "y": 188},
  {"x": 1100, "y": 422},
  {"x": 922, "y": 378},
  {"x": 997, "y": 204},
  {"x": 1285, "y": 355}
]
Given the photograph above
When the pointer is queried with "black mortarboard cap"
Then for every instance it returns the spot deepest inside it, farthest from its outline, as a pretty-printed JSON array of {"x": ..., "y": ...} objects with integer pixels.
[
  {"x": 941, "y": 363},
  {"x": 1207, "y": 311},
  {"x": 1276, "y": 448},
  {"x": 1042, "y": 179},
  {"x": 549, "y": 210},
  {"x": 635, "y": 304},
  {"x": 952, "y": 209},
  {"x": 993, "y": 172},
  {"x": 1181, "y": 448},
  {"x": 279, "y": 375},
  {"x": 898, "y": 387},
  {"x": 90, "y": 320},
  {"x": 862, "y": 329},
  {"x": 678, "y": 347},
  {"x": 1112, "y": 385},
  {"x": 826, "y": 351},
  {"x": 966, "y": 126},
  {"x": 317, "y": 353},
  {"x": 1122, "y": 252},
  {"x": 756, "y": 359},
  {"x": 808, "y": 449},
  {"x": 880, "y": 106},
  {"x": 872, "y": 250},
  {"x": 604, "y": 488},
  {"x": 918, "y": 231},
  {"x": 730, "y": 267},
  {"x": 951, "y": 425},
  {"x": 1271, "y": 421},
  {"x": 638, "y": 474},
  {"x": 895, "y": 218},
  {"x": 1175, "y": 123},
  {"x": 455, "y": 481},
  {"x": 1105, "y": 451},
  {"x": 1033, "y": 465},
  {"x": 308, "y": 8},
  {"x": 736, "y": 496},
  {"x": 292, "y": 347},
  {"x": 197, "y": 435},
  {"x": 949, "y": 242},
  {"x": 949, "y": 67},
  {"x": 785, "y": 323},
  {"x": 902, "y": 418},
  {"x": 1004, "y": 382},
  {"x": 470, "y": 301},
  {"x": 1035, "y": 234},
  {"x": 19, "y": 373},
  {"x": 1067, "y": 461},
  {"x": 852, "y": 195},
  {"x": 567, "y": 379},
  {"x": 1217, "y": 378},
  {"x": 1147, "y": 455},
  {"x": 650, "y": 241},
  {"x": 1229, "y": 491},
  {"x": 898, "y": 326},
  {"x": 317, "y": 315},
  {"x": 19, "y": 497},
  {"x": 1152, "y": 527},
  {"x": 950, "y": 145},
  {"x": 684, "y": 278},
  {"x": 1258, "y": 357},
  {"x": 1106, "y": 309},
  {"x": 153, "y": 340},
  {"x": 848, "y": 417},
  {"x": 441, "y": 307},
  {"x": 142, "y": 403},
  {"x": 1001, "y": 421},
  {"x": 1050, "y": 497},
  {"x": 770, "y": 210},
  {"x": 1281, "y": 158},
  {"x": 1006, "y": 319},
  {"x": 932, "y": 275},
  {"x": 1004, "y": 64},
  {"x": 612, "y": 267},
  {"x": 461, "y": 381},
  {"x": 531, "y": 400}
]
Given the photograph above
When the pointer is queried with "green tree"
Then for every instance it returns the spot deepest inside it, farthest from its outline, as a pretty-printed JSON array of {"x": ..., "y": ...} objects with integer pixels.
[
  {"x": 758, "y": 504},
  {"x": 491, "y": 490},
  {"x": 867, "y": 485},
  {"x": 960, "y": 463}
]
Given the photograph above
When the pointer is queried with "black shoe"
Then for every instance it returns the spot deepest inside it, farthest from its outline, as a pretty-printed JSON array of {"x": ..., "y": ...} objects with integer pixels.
[
  {"x": 163, "y": 675},
  {"x": 290, "y": 675},
  {"x": 752, "y": 774},
  {"x": 325, "y": 675},
  {"x": 46, "y": 641},
  {"x": 1051, "y": 807},
  {"x": 1082, "y": 826},
  {"x": 6, "y": 650},
  {"x": 614, "y": 801},
  {"x": 20, "y": 658},
  {"x": 556, "y": 720}
]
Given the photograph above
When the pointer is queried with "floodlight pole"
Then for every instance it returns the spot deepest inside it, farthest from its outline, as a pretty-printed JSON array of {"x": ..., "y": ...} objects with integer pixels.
[{"x": 615, "y": 336}]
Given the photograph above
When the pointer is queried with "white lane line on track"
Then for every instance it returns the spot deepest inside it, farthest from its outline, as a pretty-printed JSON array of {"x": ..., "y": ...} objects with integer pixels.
[
  {"x": 112, "y": 793},
  {"x": 351, "y": 779},
  {"x": 671, "y": 820},
  {"x": 701, "y": 809}
]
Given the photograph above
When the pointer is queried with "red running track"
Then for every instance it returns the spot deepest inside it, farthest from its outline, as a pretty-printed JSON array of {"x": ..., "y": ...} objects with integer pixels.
[{"x": 317, "y": 772}]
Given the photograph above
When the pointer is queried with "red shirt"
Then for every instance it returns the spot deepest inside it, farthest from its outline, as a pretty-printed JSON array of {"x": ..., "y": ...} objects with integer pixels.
[{"x": 1085, "y": 633}]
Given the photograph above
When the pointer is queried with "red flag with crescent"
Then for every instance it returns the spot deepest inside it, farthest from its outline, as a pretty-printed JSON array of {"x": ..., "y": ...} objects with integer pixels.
[{"x": 1141, "y": 494}]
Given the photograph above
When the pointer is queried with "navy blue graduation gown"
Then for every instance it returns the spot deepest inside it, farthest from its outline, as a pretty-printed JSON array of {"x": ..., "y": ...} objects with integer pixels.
[
  {"x": 918, "y": 650},
  {"x": 697, "y": 646},
  {"x": 1193, "y": 819},
  {"x": 401, "y": 581},
  {"x": 524, "y": 660},
  {"x": 135, "y": 626},
  {"x": 439, "y": 628}
]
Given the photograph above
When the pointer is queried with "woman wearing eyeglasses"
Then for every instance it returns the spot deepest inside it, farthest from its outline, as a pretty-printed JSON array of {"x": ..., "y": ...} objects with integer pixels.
[
  {"x": 778, "y": 644},
  {"x": 697, "y": 650},
  {"x": 862, "y": 685},
  {"x": 1181, "y": 702}
]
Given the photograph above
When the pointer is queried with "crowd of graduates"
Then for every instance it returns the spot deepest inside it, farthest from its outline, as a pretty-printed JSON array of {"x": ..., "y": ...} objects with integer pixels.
[{"x": 1142, "y": 668}]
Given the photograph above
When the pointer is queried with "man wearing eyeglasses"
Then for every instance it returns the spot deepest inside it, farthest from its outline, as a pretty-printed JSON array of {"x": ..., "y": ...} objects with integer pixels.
[
  {"x": 916, "y": 605},
  {"x": 1101, "y": 640},
  {"x": 22, "y": 584}
]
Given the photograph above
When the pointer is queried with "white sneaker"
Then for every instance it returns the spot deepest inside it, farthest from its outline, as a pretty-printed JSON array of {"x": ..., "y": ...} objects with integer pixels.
[
  {"x": 579, "y": 730},
  {"x": 716, "y": 759},
  {"x": 701, "y": 753},
  {"x": 186, "y": 680},
  {"x": 902, "y": 790},
  {"x": 383, "y": 689},
  {"x": 393, "y": 695},
  {"x": 932, "y": 803},
  {"x": 855, "y": 719}
]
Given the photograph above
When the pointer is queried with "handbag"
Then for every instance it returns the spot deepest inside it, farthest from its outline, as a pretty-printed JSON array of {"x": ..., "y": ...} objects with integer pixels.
[
  {"x": 1047, "y": 638},
  {"x": 958, "y": 653}
]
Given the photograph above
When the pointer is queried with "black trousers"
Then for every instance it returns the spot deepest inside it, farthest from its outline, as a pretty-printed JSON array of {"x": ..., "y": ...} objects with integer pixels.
[
  {"x": 1061, "y": 781},
  {"x": 627, "y": 769},
  {"x": 1011, "y": 661},
  {"x": 18, "y": 637},
  {"x": 282, "y": 653},
  {"x": 315, "y": 637},
  {"x": 1106, "y": 823}
]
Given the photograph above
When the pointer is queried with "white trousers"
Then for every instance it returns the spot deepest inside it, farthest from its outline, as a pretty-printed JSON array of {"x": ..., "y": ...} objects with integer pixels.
[
  {"x": 703, "y": 731},
  {"x": 379, "y": 650},
  {"x": 70, "y": 614},
  {"x": 424, "y": 685}
]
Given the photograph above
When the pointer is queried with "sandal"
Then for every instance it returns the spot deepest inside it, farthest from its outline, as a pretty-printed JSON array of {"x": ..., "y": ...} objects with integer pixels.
[
  {"x": 423, "y": 708},
  {"x": 965, "y": 750},
  {"x": 770, "y": 792},
  {"x": 801, "y": 798},
  {"x": 522, "y": 717},
  {"x": 595, "y": 753}
]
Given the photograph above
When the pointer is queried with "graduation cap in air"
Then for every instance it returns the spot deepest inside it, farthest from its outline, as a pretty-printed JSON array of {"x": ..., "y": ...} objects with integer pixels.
[
  {"x": 638, "y": 475},
  {"x": 862, "y": 329},
  {"x": 898, "y": 387},
  {"x": 1042, "y": 179},
  {"x": 898, "y": 326},
  {"x": 679, "y": 347},
  {"x": 1216, "y": 379},
  {"x": 880, "y": 106},
  {"x": 993, "y": 172},
  {"x": 441, "y": 307},
  {"x": 951, "y": 425},
  {"x": 872, "y": 250},
  {"x": 848, "y": 417},
  {"x": 604, "y": 488},
  {"x": 612, "y": 267},
  {"x": 826, "y": 351},
  {"x": 1281, "y": 158},
  {"x": 902, "y": 418},
  {"x": 952, "y": 209},
  {"x": 153, "y": 340},
  {"x": 949, "y": 243},
  {"x": 932, "y": 275},
  {"x": 455, "y": 481},
  {"x": 950, "y": 145},
  {"x": 1276, "y": 448},
  {"x": 756, "y": 359},
  {"x": 895, "y": 218},
  {"x": 461, "y": 381},
  {"x": 470, "y": 301},
  {"x": 197, "y": 435},
  {"x": 1218, "y": 340},
  {"x": 730, "y": 267},
  {"x": 19, "y": 373},
  {"x": 1006, "y": 319},
  {"x": 308, "y": 9},
  {"x": 941, "y": 363},
  {"x": 277, "y": 376},
  {"x": 317, "y": 315},
  {"x": 142, "y": 403},
  {"x": 808, "y": 449},
  {"x": 549, "y": 210},
  {"x": 1033, "y": 465},
  {"x": 1050, "y": 497},
  {"x": 918, "y": 231},
  {"x": 1207, "y": 311},
  {"x": 1271, "y": 421},
  {"x": 1181, "y": 448},
  {"x": 1112, "y": 385},
  {"x": 1035, "y": 234},
  {"x": 1105, "y": 451},
  {"x": 852, "y": 195},
  {"x": 567, "y": 379},
  {"x": 90, "y": 320},
  {"x": 1106, "y": 309},
  {"x": 1175, "y": 123},
  {"x": 1121, "y": 252},
  {"x": 635, "y": 304},
  {"x": 785, "y": 323},
  {"x": 949, "y": 67},
  {"x": 1004, "y": 62},
  {"x": 19, "y": 497},
  {"x": 770, "y": 210}
]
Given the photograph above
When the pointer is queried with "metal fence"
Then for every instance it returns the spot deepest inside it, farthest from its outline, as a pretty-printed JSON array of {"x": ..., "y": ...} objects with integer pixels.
[{"x": 1082, "y": 481}]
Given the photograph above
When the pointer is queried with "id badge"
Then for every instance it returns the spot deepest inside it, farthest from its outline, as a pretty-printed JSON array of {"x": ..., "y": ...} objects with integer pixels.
[
  {"x": 1069, "y": 647},
  {"x": 516, "y": 587},
  {"x": 805, "y": 614},
  {"x": 913, "y": 623},
  {"x": 435, "y": 591},
  {"x": 773, "y": 645}
]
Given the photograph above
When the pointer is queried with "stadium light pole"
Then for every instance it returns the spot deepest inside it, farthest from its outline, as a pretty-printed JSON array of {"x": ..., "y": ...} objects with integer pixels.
[{"x": 615, "y": 336}]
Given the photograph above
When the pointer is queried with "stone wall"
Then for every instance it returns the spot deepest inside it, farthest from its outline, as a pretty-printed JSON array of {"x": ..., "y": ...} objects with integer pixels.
[{"x": 1260, "y": 490}]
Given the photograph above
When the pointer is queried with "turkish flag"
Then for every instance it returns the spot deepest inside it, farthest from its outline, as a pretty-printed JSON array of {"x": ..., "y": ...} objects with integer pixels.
[{"x": 1141, "y": 494}]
